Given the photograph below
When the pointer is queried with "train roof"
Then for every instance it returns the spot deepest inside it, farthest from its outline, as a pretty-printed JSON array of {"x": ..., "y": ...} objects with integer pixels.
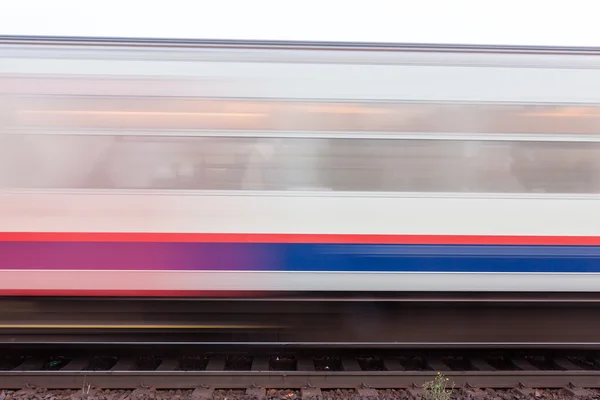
[{"x": 289, "y": 45}]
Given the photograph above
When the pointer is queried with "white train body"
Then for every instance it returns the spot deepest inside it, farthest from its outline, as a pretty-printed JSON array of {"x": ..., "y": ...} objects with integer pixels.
[{"x": 192, "y": 170}]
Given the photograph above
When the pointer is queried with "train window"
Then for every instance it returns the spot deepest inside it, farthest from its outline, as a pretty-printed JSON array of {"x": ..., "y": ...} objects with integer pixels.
[
  {"x": 164, "y": 113},
  {"x": 234, "y": 163}
]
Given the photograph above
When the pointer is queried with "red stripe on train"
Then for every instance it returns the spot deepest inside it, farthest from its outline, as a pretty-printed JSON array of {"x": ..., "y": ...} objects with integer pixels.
[{"x": 295, "y": 238}]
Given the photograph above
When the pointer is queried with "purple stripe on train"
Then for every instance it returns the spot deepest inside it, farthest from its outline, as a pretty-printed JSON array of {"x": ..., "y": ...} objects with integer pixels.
[{"x": 135, "y": 256}]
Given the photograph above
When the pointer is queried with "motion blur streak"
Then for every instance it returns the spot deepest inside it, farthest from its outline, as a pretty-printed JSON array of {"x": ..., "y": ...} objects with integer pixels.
[
  {"x": 189, "y": 169},
  {"x": 157, "y": 114},
  {"x": 125, "y": 326}
]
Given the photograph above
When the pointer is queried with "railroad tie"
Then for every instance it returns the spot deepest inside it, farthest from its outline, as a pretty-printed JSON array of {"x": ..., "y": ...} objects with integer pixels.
[
  {"x": 202, "y": 394},
  {"x": 310, "y": 393},
  {"x": 256, "y": 393}
]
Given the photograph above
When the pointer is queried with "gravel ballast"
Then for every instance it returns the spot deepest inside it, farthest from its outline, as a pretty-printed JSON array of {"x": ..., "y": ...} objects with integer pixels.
[{"x": 285, "y": 394}]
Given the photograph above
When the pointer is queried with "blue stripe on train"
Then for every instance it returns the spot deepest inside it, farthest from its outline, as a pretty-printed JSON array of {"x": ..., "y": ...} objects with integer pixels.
[{"x": 436, "y": 258}]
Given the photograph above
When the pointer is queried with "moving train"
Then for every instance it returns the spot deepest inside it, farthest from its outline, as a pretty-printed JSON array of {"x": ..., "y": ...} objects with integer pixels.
[{"x": 225, "y": 168}]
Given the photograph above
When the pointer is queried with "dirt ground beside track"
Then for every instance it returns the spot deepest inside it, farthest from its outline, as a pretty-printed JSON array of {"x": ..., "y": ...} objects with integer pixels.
[{"x": 272, "y": 394}]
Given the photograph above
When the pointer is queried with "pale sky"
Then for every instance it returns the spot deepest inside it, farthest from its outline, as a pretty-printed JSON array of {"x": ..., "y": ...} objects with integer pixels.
[{"x": 512, "y": 22}]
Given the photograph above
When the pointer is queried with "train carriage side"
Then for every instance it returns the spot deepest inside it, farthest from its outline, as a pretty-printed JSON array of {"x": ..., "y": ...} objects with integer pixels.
[{"x": 241, "y": 170}]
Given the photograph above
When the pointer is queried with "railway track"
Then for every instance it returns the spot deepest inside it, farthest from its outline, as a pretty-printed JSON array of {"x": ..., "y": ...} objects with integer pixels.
[
  {"x": 296, "y": 349},
  {"x": 304, "y": 374}
]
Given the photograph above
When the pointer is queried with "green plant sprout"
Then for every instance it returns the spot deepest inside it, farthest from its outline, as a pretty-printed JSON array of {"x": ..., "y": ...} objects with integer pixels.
[{"x": 436, "y": 389}]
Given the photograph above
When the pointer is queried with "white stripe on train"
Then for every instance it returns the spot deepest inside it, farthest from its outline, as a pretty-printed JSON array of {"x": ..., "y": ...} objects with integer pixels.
[{"x": 182, "y": 281}]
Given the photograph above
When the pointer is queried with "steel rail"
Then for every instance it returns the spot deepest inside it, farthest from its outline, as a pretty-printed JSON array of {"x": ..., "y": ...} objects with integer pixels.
[
  {"x": 292, "y": 379},
  {"x": 49, "y": 341}
]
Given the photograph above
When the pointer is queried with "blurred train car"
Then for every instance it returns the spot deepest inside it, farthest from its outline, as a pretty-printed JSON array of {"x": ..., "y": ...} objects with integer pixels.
[{"x": 231, "y": 168}]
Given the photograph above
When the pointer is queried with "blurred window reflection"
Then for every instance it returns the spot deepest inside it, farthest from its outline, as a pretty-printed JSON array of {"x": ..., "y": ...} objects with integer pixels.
[
  {"x": 164, "y": 113},
  {"x": 45, "y": 142},
  {"x": 238, "y": 163}
]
